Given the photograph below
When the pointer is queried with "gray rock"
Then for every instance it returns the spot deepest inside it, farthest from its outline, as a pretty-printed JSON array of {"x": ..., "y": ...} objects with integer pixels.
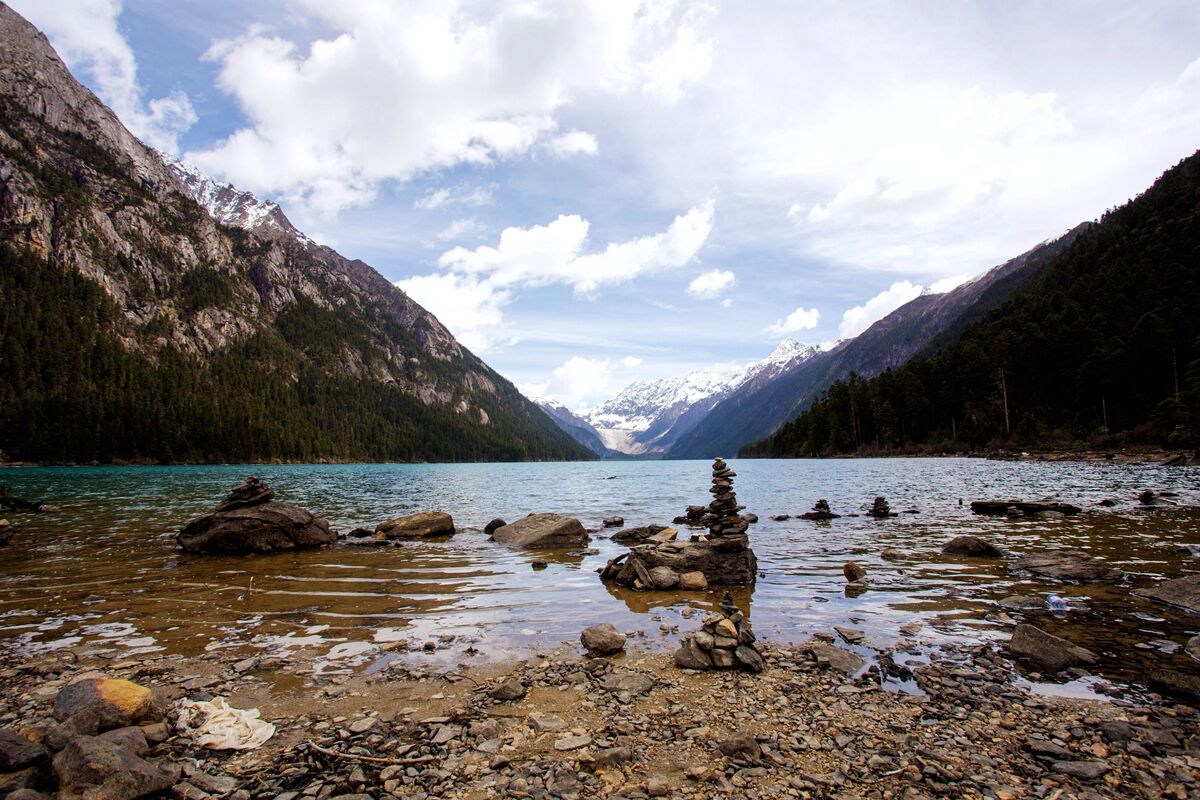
[
  {"x": 742, "y": 746},
  {"x": 543, "y": 723},
  {"x": 971, "y": 546},
  {"x": 1183, "y": 592},
  {"x": 602, "y": 640},
  {"x": 1067, "y": 565},
  {"x": 614, "y": 522},
  {"x": 17, "y": 752},
  {"x": 131, "y": 738},
  {"x": 828, "y": 655},
  {"x": 262, "y": 528},
  {"x": 424, "y": 525},
  {"x": 1193, "y": 647},
  {"x": 542, "y": 530},
  {"x": 613, "y": 757},
  {"x": 1022, "y": 602},
  {"x": 573, "y": 742},
  {"x": 1046, "y": 651},
  {"x": 95, "y": 769},
  {"x": 663, "y": 578},
  {"x": 508, "y": 689},
  {"x": 1084, "y": 770},
  {"x": 691, "y": 656},
  {"x": 749, "y": 658},
  {"x": 631, "y": 683},
  {"x": 720, "y": 567}
]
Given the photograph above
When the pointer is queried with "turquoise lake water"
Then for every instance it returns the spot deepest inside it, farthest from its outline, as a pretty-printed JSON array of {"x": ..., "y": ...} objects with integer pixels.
[{"x": 105, "y": 568}]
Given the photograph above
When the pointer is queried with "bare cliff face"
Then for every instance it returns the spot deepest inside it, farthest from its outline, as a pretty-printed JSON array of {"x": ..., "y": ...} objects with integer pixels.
[{"x": 80, "y": 192}]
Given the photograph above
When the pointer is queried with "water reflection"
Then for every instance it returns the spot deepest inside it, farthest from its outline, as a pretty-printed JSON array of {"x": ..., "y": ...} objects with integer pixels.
[{"x": 105, "y": 570}]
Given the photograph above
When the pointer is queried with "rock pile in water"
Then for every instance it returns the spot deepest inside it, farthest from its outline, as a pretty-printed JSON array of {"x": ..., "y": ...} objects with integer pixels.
[
  {"x": 251, "y": 521},
  {"x": 725, "y": 641},
  {"x": 726, "y": 530},
  {"x": 723, "y": 557},
  {"x": 820, "y": 511},
  {"x": 880, "y": 509}
]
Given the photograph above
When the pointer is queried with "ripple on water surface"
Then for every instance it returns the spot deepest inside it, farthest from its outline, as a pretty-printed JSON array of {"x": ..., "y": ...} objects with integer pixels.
[{"x": 106, "y": 569}]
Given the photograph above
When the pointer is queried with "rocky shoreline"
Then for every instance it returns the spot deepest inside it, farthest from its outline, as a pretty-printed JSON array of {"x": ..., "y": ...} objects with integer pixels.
[{"x": 562, "y": 725}]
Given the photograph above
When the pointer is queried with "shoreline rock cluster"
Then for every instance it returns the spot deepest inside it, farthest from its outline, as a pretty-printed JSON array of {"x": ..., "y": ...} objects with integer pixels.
[
  {"x": 250, "y": 520},
  {"x": 722, "y": 558},
  {"x": 725, "y": 641}
]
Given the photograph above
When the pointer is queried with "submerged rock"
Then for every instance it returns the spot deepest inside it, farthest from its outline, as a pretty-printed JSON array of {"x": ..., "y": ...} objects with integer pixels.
[
  {"x": 254, "y": 523},
  {"x": 1067, "y": 565},
  {"x": 491, "y": 527},
  {"x": 1178, "y": 684},
  {"x": 1003, "y": 508},
  {"x": 972, "y": 546},
  {"x": 416, "y": 526},
  {"x": 1046, "y": 651},
  {"x": 543, "y": 530},
  {"x": 854, "y": 572},
  {"x": 1183, "y": 592}
]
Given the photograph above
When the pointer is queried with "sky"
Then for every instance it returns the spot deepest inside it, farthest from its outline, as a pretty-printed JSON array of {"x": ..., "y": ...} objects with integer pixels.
[{"x": 592, "y": 193}]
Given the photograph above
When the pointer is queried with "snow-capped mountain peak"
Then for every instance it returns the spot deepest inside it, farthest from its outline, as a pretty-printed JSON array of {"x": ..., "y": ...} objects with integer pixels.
[
  {"x": 229, "y": 206},
  {"x": 648, "y": 415}
]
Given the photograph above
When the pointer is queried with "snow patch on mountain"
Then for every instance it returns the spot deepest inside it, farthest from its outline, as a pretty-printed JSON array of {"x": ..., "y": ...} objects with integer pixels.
[
  {"x": 648, "y": 415},
  {"x": 229, "y": 206}
]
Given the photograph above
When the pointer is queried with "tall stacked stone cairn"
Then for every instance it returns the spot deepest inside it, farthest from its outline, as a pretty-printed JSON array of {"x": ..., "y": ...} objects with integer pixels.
[
  {"x": 723, "y": 555},
  {"x": 724, "y": 641}
]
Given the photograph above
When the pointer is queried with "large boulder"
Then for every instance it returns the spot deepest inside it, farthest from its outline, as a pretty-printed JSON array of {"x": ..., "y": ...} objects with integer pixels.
[
  {"x": 1046, "y": 651},
  {"x": 250, "y": 521},
  {"x": 416, "y": 526},
  {"x": 91, "y": 768},
  {"x": 105, "y": 703},
  {"x": 971, "y": 546},
  {"x": 602, "y": 640},
  {"x": 1067, "y": 565},
  {"x": 258, "y": 529},
  {"x": 543, "y": 530}
]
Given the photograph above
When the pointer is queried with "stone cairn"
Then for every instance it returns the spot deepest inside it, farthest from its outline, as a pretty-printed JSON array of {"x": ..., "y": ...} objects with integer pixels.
[
  {"x": 726, "y": 530},
  {"x": 725, "y": 641},
  {"x": 251, "y": 492},
  {"x": 880, "y": 509},
  {"x": 820, "y": 511}
]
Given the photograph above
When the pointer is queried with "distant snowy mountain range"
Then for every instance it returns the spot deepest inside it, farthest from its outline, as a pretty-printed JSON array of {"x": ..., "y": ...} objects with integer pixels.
[{"x": 648, "y": 417}]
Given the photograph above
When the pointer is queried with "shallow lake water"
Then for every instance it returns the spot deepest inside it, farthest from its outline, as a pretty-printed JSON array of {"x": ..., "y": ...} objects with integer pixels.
[{"x": 105, "y": 568}]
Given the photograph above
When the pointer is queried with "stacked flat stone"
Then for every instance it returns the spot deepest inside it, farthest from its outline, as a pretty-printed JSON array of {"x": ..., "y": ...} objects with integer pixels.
[
  {"x": 726, "y": 529},
  {"x": 820, "y": 511},
  {"x": 725, "y": 641},
  {"x": 880, "y": 509}
]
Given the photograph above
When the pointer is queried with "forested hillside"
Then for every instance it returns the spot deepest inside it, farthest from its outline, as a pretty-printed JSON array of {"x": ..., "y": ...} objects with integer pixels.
[
  {"x": 1100, "y": 348},
  {"x": 134, "y": 327}
]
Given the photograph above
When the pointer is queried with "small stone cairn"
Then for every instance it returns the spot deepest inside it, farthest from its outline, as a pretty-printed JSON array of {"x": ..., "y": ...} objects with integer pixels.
[
  {"x": 880, "y": 509},
  {"x": 725, "y": 641},
  {"x": 726, "y": 530},
  {"x": 820, "y": 511}
]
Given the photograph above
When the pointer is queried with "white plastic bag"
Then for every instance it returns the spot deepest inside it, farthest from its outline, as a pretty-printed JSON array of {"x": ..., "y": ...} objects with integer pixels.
[{"x": 219, "y": 726}]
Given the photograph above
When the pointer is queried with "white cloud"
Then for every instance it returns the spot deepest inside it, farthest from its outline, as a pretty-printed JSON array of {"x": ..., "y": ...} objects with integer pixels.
[
  {"x": 573, "y": 143},
  {"x": 578, "y": 383},
  {"x": 631, "y": 361},
  {"x": 951, "y": 282},
  {"x": 472, "y": 309},
  {"x": 459, "y": 195},
  {"x": 432, "y": 200},
  {"x": 86, "y": 35},
  {"x": 456, "y": 228},
  {"x": 802, "y": 319},
  {"x": 545, "y": 254},
  {"x": 402, "y": 88},
  {"x": 858, "y": 319},
  {"x": 708, "y": 285}
]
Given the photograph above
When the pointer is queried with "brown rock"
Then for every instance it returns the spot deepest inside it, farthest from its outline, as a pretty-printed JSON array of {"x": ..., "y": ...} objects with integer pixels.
[
  {"x": 853, "y": 571},
  {"x": 91, "y": 768},
  {"x": 693, "y": 582},
  {"x": 742, "y": 746},
  {"x": 111, "y": 702},
  {"x": 416, "y": 526},
  {"x": 971, "y": 546},
  {"x": 602, "y": 640},
  {"x": 17, "y": 752},
  {"x": 691, "y": 656},
  {"x": 543, "y": 530},
  {"x": 255, "y": 529},
  {"x": 1048, "y": 652},
  {"x": 1067, "y": 565}
]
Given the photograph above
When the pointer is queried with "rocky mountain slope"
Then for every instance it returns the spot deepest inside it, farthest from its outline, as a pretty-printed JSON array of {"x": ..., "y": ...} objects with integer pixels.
[
  {"x": 137, "y": 326},
  {"x": 576, "y": 427},
  {"x": 760, "y": 406},
  {"x": 648, "y": 417}
]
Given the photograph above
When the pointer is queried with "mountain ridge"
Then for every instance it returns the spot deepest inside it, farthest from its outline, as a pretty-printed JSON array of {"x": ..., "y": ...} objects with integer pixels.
[{"x": 139, "y": 327}]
